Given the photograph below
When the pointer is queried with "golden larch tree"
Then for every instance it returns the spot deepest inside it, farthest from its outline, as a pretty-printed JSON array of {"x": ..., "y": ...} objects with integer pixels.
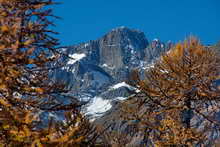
[
  {"x": 181, "y": 96},
  {"x": 27, "y": 48}
]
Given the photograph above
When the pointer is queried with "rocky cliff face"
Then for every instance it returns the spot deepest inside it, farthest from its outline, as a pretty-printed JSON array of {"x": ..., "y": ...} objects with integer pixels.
[
  {"x": 98, "y": 69},
  {"x": 122, "y": 47}
]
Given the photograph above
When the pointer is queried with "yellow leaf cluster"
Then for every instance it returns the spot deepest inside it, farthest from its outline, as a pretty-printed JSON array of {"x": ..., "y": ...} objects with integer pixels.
[
  {"x": 2, "y": 46},
  {"x": 4, "y": 103},
  {"x": 39, "y": 90},
  {"x": 3, "y": 86},
  {"x": 4, "y": 28},
  {"x": 28, "y": 42}
]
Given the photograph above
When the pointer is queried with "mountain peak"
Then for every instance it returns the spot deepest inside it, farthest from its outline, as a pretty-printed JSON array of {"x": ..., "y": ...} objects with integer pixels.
[
  {"x": 126, "y": 35},
  {"x": 98, "y": 69},
  {"x": 124, "y": 29},
  {"x": 156, "y": 39},
  {"x": 120, "y": 44}
]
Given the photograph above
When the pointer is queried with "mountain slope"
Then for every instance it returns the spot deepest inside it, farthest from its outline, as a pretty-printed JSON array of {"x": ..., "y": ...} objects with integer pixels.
[{"x": 96, "y": 66}]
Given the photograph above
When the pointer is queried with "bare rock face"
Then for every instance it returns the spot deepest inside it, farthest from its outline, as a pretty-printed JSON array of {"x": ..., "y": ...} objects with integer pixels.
[
  {"x": 96, "y": 66},
  {"x": 155, "y": 49},
  {"x": 118, "y": 47}
]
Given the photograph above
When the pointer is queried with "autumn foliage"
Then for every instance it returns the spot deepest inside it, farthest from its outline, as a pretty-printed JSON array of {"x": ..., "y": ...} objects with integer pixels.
[
  {"x": 177, "y": 104},
  {"x": 181, "y": 97},
  {"x": 26, "y": 49}
]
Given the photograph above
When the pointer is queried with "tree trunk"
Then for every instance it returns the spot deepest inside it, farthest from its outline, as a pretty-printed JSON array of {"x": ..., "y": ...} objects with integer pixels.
[{"x": 188, "y": 115}]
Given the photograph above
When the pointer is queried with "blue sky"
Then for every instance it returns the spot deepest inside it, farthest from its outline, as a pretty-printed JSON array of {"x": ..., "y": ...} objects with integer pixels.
[{"x": 84, "y": 20}]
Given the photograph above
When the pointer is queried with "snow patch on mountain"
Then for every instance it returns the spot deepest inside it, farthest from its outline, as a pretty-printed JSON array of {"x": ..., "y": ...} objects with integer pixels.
[
  {"x": 130, "y": 47},
  {"x": 123, "y": 84},
  {"x": 104, "y": 65},
  {"x": 147, "y": 66},
  {"x": 121, "y": 98},
  {"x": 86, "y": 45},
  {"x": 98, "y": 106},
  {"x": 107, "y": 66},
  {"x": 156, "y": 40},
  {"x": 75, "y": 57}
]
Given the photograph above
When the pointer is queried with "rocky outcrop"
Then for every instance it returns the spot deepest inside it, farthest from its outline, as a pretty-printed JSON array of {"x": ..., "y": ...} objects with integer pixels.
[
  {"x": 93, "y": 67},
  {"x": 119, "y": 46}
]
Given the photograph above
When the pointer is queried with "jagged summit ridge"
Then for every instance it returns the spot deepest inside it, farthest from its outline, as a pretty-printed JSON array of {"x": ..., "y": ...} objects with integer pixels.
[
  {"x": 124, "y": 28},
  {"x": 100, "y": 64},
  {"x": 117, "y": 46}
]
